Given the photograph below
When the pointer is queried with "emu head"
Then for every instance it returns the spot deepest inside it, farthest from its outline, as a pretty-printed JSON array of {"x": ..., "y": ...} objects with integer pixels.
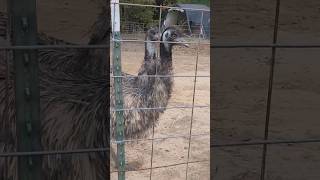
[
  {"x": 150, "y": 51},
  {"x": 152, "y": 34},
  {"x": 171, "y": 36}
]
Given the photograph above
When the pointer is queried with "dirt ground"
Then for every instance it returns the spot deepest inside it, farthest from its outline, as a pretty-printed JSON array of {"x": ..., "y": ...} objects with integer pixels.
[
  {"x": 175, "y": 121},
  {"x": 240, "y": 79},
  {"x": 70, "y": 20}
]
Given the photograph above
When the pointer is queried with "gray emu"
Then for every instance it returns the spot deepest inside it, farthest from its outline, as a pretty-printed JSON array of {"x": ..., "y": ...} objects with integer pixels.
[
  {"x": 148, "y": 91},
  {"x": 64, "y": 108},
  {"x": 74, "y": 105},
  {"x": 150, "y": 47}
]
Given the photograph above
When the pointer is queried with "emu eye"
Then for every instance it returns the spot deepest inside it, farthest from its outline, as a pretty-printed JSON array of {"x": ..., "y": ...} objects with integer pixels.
[{"x": 174, "y": 36}]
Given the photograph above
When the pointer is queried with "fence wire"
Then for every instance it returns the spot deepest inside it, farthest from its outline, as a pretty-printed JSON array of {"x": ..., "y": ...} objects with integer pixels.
[
  {"x": 153, "y": 123},
  {"x": 94, "y": 150},
  {"x": 166, "y": 166},
  {"x": 264, "y": 142},
  {"x": 192, "y": 107},
  {"x": 189, "y": 136},
  {"x": 293, "y": 45},
  {"x": 274, "y": 46}
]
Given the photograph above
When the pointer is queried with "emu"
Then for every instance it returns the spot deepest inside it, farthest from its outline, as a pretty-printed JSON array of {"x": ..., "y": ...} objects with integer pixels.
[
  {"x": 74, "y": 105},
  {"x": 150, "y": 47},
  {"x": 148, "y": 91},
  {"x": 63, "y": 126}
]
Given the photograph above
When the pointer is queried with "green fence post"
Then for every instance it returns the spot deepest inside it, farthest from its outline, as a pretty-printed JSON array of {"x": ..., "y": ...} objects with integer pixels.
[
  {"x": 24, "y": 29},
  {"x": 115, "y": 17}
]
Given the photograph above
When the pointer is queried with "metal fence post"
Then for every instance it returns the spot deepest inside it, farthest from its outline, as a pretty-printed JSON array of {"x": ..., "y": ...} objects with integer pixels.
[
  {"x": 24, "y": 29},
  {"x": 115, "y": 17}
]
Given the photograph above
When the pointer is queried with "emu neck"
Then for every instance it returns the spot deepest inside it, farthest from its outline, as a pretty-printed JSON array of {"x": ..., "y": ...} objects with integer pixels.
[
  {"x": 148, "y": 91},
  {"x": 166, "y": 52},
  {"x": 150, "y": 50},
  {"x": 155, "y": 66}
]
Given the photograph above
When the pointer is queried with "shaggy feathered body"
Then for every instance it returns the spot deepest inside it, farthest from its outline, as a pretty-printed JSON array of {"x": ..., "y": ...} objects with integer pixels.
[
  {"x": 75, "y": 106},
  {"x": 146, "y": 95},
  {"x": 69, "y": 121},
  {"x": 144, "y": 92}
]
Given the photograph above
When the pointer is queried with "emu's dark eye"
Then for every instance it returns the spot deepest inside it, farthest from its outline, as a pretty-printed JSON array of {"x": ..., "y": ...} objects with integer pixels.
[{"x": 174, "y": 35}]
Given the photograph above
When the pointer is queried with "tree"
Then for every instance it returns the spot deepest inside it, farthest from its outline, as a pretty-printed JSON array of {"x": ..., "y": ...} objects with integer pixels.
[
  {"x": 173, "y": 2},
  {"x": 147, "y": 15}
]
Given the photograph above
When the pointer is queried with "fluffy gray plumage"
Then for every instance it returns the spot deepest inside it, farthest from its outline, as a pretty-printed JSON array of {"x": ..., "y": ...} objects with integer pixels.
[
  {"x": 148, "y": 92},
  {"x": 74, "y": 108},
  {"x": 74, "y": 104}
]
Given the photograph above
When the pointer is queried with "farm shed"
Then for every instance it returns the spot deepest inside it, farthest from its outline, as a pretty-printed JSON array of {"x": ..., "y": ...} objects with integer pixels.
[{"x": 193, "y": 18}]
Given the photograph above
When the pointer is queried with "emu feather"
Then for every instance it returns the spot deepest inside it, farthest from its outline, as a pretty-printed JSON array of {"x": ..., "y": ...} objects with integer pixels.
[{"x": 75, "y": 105}]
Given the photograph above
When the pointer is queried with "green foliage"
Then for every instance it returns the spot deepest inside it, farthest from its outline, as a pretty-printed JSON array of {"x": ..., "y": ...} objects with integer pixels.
[
  {"x": 172, "y": 2},
  {"x": 138, "y": 14},
  {"x": 147, "y": 15}
]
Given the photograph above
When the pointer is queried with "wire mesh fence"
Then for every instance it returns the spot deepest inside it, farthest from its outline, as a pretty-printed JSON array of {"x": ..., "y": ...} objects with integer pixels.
[
  {"x": 153, "y": 139},
  {"x": 195, "y": 41},
  {"x": 264, "y": 142}
]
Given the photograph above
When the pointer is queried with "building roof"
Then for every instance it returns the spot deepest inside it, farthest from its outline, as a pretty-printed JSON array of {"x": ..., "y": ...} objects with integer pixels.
[
  {"x": 194, "y": 17},
  {"x": 193, "y": 6}
]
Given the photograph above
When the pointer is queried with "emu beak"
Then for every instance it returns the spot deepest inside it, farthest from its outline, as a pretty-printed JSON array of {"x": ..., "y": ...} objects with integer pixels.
[{"x": 182, "y": 42}]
